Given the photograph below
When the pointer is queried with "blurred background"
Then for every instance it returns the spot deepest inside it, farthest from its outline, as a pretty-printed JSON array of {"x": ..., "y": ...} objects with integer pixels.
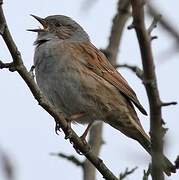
[{"x": 27, "y": 135}]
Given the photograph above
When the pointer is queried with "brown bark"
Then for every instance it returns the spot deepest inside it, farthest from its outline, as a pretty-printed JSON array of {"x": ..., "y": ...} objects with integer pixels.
[{"x": 150, "y": 83}]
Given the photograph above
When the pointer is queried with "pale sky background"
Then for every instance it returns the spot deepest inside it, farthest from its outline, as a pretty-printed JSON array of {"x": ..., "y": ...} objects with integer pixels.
[{"x": 27, "y": 132}]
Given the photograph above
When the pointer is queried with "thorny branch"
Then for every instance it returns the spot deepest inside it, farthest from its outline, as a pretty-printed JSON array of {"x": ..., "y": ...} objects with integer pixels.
[
  {"x": 150, "y": 83},
  {"x": 166, "y": 25},
  {"x": 147, "y": 173},
  {"x": 126, "y": 173},
  {"x": 56, "y": 114},
  {"x": 153, "y": 25},
  {"x": 163, "y": 22},
  {"x": 151, "y": 88},
  {"x": 9, "y": 66}
]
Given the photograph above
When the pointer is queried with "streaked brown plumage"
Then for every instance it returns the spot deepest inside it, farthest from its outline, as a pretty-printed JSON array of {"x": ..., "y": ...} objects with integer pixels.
[{"x": 77, "y": 78}]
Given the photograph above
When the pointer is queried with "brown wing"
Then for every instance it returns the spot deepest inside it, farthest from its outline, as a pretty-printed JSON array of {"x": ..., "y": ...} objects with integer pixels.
[{"x": 99, "y": 64}]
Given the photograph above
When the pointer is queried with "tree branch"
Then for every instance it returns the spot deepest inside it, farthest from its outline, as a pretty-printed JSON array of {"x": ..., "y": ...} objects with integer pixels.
[
  {"x": 95, "y": 141},
  {"x": 168, "y": 103},
  {"x": 9, "y": 66},
  {"x": 119, "y": 22},
  {"x": 126, "y": 173},
  {"x": 154, "y": 23},
  {"x": 150, "y": 83},
  {"x": 139, "y": 73},
  {"x": 7, "y": 166},
  {"x": 164, "y": 23},
  {"x": 70, "y": 158},
  {"x": 147, "y": 173},
  {"x": 55, "y": 113}
]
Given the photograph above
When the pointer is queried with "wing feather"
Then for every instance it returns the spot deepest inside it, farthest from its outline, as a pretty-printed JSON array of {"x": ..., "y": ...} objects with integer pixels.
[{"x": 96, "y": 61}]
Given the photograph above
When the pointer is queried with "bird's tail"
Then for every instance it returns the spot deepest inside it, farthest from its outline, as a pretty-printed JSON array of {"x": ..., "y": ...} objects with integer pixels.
[{"x": 167, "y": 165}]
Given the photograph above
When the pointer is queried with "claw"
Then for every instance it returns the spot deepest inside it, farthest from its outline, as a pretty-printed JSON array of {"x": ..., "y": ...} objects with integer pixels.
[
  {"x": 68, "y": 135},
  {"x": 78, "y": 151},
  {"x": 57, "y": 128},
  {"x": 69, "y": 132},
  {"x": 84, "y": 143}
]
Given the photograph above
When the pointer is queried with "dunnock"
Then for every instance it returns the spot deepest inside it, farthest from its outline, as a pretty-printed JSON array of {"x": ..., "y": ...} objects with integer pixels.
[{"x": 77, "y": 78}]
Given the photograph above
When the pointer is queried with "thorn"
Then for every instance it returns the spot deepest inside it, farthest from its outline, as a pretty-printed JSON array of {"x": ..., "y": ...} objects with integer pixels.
[
  {"x": 163, "y": 122},
  {"x": 153, "y": 25},
  {"x": 132, "y": 26},
  {"x": 168, "y": 103},
  {"x": 164, "y": 131},
  {"x": 69, "y": 134},
  {"x": 153, "y": 38},
  {"x": 9, "y": 66},
  {"x": 177, "y": 163}
]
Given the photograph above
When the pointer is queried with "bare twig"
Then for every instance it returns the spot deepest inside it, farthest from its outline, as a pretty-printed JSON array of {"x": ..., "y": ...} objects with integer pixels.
[
  {"x": 95, "y": 141},
  {"x": 8, "y": 168},
  {"x": 55, "y": 113},
  {"x": 126, "y": 173},
  {"x": 164, "y": 22},
  {"x": 139, "y": 73},
  {"x": 150, "y": 83},
  {"x": 168, "y": 103},
  {"x": 70, "y": 158},
  {"x": 119, "y": 22},
  {"x": 9, "y": 66},
  {"x": 168, "y": 27},
  {"x": 154, "y": 23},
  {"x": 147, "y": 173},
  {"x": 177, "y": 163}
]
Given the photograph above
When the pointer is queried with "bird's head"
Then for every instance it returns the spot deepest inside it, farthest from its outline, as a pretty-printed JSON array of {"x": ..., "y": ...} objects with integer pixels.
[{"x": 60, "y": 27}]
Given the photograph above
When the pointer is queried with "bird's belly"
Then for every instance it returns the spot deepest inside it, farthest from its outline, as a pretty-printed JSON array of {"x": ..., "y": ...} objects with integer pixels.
[
  {"x": 68, "y": 93},
  {"x": 74, "y": 89}
]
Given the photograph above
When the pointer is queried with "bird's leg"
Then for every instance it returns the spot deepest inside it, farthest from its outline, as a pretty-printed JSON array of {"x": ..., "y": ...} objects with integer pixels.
[
  {"x": 70, "y": 119},
  {"x": 83, "y": 136}
]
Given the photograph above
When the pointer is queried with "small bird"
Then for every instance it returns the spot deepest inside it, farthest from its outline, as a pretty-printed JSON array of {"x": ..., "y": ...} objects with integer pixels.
[{"x": 78, "y": 79}]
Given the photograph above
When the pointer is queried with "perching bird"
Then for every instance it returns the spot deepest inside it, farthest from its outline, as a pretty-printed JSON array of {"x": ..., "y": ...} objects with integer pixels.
[{"x": 78, "y": 79}]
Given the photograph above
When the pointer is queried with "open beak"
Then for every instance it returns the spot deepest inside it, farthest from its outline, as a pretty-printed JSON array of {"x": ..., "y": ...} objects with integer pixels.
[{"x": 42, "y": 22}]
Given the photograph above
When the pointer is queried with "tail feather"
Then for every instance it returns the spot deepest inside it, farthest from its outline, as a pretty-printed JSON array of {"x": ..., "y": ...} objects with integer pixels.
[
  {"x": 131, "y": 127},
  {"x": 167, "y": 165}
]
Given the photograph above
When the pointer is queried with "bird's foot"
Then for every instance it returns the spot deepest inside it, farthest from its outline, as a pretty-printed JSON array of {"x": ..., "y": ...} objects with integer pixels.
[
  {"x": 84, "y": 144},
  {"x": 83, "y": 136},
  {"x": 57, "y": 128},
  {"x": 68, "y": 133},
  {"x": 83, "y": 139}
]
